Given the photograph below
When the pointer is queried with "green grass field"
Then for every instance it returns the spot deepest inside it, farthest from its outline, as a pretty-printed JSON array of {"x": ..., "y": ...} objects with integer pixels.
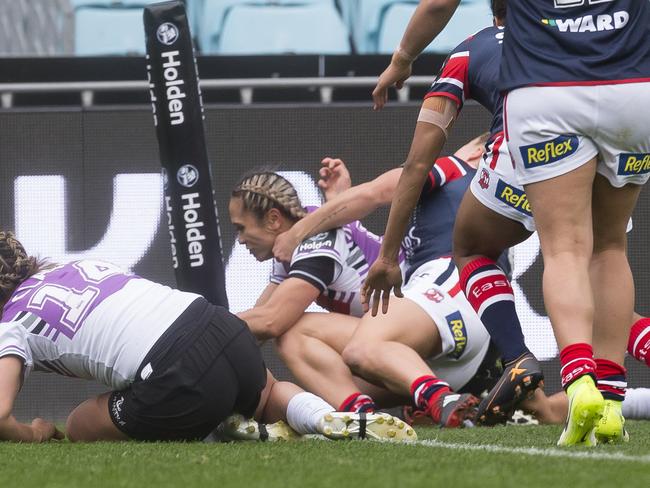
[{"x": 481, "y": 457}]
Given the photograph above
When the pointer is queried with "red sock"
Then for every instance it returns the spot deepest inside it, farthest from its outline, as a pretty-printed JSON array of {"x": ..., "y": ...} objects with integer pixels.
[
  {"x": 611, "y": 379},
  {"x": 358, "y": 402},
  {"x": 577, "y": 360},
  {"x": 639, "y": 343},
  {"x": 427, "y": 389}
]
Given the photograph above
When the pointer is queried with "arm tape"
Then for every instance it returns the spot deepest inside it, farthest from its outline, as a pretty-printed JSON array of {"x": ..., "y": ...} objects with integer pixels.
[{"x": 442, "y": 120}]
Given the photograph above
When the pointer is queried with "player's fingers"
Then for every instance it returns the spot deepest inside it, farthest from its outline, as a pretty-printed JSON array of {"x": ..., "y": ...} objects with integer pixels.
[
  {"x": 384, "y": 301},
  {"x": 378, "y": 97},
  {"x": 364, "y": 298},
  {"x": 376, "y": 298},
  {"x": 399, "y": 84},
  {"x": 398, "y": 291}
]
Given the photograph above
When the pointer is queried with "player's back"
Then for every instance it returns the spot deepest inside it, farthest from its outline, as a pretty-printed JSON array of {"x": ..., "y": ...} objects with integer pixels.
[
  {"x": 430, "y": 235},
  {"x": 576, "y": 42},
  {"x": 90, "y": 319}
]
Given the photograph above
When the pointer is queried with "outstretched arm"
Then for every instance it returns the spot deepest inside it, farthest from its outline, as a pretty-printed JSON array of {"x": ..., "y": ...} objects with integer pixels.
[
  {"x": 428, "y": 20},
  {"x": 10, "y": 429}
]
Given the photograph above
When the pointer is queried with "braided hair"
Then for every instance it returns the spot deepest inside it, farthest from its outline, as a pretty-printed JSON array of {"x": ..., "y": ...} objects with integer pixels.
[
  {"x": 263, "y": 190},
  {"x": 15, "y": 265}
]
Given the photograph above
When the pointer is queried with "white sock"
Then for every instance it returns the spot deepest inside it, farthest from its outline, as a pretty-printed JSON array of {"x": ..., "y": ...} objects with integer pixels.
[
  {"x": 305, "y": 411},
  {"x": 637, "y": 403}
]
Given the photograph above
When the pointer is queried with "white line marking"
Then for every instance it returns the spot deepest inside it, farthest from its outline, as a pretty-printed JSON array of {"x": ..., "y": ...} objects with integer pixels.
[{"x": 534, "y": 451}]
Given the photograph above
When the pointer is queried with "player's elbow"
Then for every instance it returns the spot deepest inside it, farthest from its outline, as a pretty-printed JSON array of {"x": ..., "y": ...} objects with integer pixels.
[{"x": 271, "y": 326}]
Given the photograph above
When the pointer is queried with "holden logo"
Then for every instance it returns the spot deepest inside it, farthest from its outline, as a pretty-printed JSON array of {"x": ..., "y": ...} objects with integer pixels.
[
  {"x": 167, "y": 33},
  {"x": 187, "y": 175}
]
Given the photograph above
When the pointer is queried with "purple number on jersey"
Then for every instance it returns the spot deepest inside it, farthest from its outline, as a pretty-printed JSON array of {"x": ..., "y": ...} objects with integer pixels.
[{"x": 65, "y": 296}]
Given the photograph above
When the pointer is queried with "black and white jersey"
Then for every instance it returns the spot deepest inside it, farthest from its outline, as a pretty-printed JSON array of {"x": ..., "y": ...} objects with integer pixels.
[{"x": 336, "y": 262}]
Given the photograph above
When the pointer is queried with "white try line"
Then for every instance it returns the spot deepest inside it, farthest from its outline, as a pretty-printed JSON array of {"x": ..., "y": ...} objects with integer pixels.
[{"x": 534, "y": 451}]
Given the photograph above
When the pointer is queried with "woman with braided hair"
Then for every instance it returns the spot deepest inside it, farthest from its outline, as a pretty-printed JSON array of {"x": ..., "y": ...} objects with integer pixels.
[{"x": 327, "y": 268}]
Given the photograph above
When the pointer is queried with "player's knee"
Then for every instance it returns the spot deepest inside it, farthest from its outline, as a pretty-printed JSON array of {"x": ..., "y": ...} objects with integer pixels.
[{"x": 357, "y": 356}]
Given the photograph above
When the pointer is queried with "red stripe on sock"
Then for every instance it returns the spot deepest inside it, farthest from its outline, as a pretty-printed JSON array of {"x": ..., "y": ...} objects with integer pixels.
[
  {"x": 577, "y": 360},
  {"x": 640, "y": 336},
  {"x": 472, "y": 266}
]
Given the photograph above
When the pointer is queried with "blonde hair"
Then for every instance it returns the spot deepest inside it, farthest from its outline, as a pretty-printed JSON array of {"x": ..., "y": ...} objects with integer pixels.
[
  {"x": 263, "y": 190},
  {"x": 15, "y": 265}
]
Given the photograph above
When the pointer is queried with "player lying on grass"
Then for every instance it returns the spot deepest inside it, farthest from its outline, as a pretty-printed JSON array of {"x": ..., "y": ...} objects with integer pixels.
[
  {"x": 332, "y": 266},
  {"x": 177, "y": 365},
  {"x": 321, "y": 340}
]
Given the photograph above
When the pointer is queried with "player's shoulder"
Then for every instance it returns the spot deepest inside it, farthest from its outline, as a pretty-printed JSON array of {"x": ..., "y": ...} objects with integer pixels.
[
  {"x": 322, "y": 243},
  {"x": 487, "y": 39}
]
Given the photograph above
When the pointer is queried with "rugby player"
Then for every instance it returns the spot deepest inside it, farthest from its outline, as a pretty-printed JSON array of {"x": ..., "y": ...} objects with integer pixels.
[
  {"x": 314, "y": 347},
  {"x": 565, "y": 63},
  {"x": 176, "y": 364},
  {"x": 431, "y": 343}
]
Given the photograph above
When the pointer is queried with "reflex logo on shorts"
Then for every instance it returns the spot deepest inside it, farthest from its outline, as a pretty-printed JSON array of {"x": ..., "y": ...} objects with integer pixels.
[
  {"x": 548, "y": 151},
  {"x": 458, "y": 332},
  {"x": 513, "y": 197},
  {"x": 633, "y": 164}
]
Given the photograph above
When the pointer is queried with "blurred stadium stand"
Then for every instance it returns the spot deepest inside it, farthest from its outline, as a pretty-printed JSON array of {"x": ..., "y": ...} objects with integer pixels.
[
  {"x": 282, "y": 29},
  {"x": 112, "y": 27}
]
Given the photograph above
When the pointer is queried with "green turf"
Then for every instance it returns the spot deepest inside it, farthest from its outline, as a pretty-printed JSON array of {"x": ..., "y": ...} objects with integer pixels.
[{"x": 334, "y": 464}]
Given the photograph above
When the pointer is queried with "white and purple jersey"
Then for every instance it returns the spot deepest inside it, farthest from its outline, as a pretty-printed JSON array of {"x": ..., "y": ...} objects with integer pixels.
[
  {"x": 88, "y": 319},
  {"x": 576, "y": 42},
  {"x": 336, "y": 262}
]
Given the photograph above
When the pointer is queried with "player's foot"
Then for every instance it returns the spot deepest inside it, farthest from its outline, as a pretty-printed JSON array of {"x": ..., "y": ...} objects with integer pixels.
[
  {"x": 519, "y": 379},
  {"x": 611, "y": 426},
  {"x": 238, "y": 428},
  {"x": 453, "y": 409},
  {"x": 585, "y": 410},
  {"x": 376, "y": 426}
]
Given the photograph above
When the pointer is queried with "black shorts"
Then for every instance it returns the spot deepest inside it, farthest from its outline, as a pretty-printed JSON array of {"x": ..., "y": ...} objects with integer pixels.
[
  {"x": 487, "y": 374},
  {"x": 206, "y": 366}
]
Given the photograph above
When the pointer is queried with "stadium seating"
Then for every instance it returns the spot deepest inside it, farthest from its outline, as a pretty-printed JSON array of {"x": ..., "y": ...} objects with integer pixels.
[
  {"x": 214, "y": 11},
  {"x": 105, "y": 31},
  {"x": 470, "y": 18},
  {"x": 276, "y": 29}
]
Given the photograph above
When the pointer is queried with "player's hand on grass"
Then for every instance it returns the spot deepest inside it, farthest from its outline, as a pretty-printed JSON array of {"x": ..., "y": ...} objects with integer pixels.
[
  {"x": 285, "y": 244},
  {"x": 396, "y": 74},
  {"x": 44, "y": 430},
  {"x": 383, "y": 277},
  {"x": 334, "y": 177}
]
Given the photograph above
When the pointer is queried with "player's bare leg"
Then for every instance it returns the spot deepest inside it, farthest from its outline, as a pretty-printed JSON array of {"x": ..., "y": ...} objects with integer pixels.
[
  {"x": 613, "y": 287},
  {"x": 481, "y": 235},
  {"x": 312, "y": 351},
  {"x": 90, "y": 421},
  {"x": 388, "y": 349},
  {"x": 562, "y": 209}
]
